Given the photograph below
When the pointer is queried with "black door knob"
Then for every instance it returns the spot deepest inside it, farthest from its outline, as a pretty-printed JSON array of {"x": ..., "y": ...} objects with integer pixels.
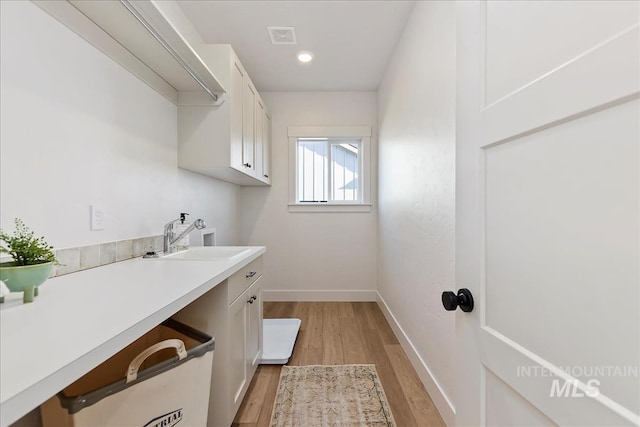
[{"x": 463, "y": 299}]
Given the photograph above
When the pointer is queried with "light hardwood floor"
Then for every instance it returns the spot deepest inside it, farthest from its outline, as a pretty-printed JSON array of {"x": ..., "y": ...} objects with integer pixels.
[{"x": 334, "y": 333}]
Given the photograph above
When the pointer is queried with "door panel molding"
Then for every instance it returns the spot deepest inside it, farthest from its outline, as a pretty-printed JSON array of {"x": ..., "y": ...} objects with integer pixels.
[
  {"x": 615, "y": 60},
  {"x": 522, "y": 42},
  {"x": 508, "y": 366},
  {"x": 500, "y": 394},
  {"x": 598, "y": 80},
  {"x": 508, "y": 355}
]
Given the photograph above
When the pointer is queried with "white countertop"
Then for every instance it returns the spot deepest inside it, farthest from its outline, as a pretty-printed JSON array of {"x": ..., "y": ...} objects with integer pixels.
[{"x": 81, "y": 319}]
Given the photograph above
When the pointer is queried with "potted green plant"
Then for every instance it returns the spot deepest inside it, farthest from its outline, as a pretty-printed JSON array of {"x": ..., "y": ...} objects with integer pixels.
[{"x": 33, "y": 259}]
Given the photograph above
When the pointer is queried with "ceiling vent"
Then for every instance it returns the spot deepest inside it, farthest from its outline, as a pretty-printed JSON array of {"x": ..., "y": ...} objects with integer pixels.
[{"x": 282, "y": 35}]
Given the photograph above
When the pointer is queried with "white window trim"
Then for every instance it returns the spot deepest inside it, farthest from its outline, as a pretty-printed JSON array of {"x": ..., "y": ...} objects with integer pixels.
[{"x": 363, "y": 132}]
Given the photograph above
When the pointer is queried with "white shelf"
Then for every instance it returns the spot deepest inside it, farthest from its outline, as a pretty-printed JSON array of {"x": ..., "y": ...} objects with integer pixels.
[{"x": 148, "y": 38}]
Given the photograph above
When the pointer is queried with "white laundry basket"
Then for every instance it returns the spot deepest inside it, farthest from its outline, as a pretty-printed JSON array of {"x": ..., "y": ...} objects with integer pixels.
[{"x": 161, "y": 379}]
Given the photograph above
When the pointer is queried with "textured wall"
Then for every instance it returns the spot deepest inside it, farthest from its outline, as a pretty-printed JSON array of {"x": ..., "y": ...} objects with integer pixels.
[
  {"x": 78, "y": 129},
  {"x": 416, "y": 188},
  {"x": 311, "y": 253}
]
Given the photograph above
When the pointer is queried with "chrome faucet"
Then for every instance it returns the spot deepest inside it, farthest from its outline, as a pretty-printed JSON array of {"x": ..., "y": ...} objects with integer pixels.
[{"x": 170, "y": 237}]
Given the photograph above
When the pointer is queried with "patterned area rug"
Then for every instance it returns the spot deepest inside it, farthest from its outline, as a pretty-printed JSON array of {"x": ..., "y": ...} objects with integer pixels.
[{"x": 340, "y": 396}]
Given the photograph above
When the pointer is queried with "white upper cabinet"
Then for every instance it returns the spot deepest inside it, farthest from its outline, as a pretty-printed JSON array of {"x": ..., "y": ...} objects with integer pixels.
[
  {"x": 259, "y": 135},
  {"x": 237, "y": 107},
  {"x": 266, "y": 147},
  {"x": 225, "y": 141},
  {"x": 249, "y": 127},
  {"x": 263, "y": 142}
]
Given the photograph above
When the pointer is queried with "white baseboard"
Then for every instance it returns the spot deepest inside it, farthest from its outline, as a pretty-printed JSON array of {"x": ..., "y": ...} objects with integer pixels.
[
  {"x": 319, "y": 295},
  {"x": 440, "y": 399}
]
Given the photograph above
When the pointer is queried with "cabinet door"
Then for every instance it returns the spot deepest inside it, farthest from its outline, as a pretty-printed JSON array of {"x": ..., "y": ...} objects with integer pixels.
[
  {"x": 266, "y": 148},
  {"x": 237, "y": 350},
  {"x": 249, "y": 129},
  {"x": 254, "y": 327},
  {"x": 236, "y": 105},
  {"x": 259, "y": 137}
]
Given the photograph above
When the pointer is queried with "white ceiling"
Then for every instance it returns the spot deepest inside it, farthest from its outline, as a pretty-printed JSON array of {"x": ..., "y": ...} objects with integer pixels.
[{"x": 352, "y": 41}]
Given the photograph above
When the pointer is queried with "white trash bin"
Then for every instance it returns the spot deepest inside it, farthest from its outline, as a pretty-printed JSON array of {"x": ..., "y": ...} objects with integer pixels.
[{"x": 160, "y": 380}]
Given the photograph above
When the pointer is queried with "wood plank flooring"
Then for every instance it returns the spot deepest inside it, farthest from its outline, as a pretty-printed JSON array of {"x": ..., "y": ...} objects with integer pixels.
[{"x": 336, "y": 333}]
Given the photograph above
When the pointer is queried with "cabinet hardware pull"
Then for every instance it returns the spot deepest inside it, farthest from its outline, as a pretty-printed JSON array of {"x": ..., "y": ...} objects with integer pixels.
[
  {"x": 266, "y": 176},
  {"x": 250, "y": 301},
  {"x": 250, "y": 274},
  {"x": 247, "y": 165}
]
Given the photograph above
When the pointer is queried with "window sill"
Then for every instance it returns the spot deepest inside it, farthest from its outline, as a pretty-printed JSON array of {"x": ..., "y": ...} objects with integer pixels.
[{"x": 360, "y": 207}]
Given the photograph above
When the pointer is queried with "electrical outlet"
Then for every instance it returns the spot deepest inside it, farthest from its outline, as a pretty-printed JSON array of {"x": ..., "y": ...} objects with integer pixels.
[{"x": 97, "y": 217}]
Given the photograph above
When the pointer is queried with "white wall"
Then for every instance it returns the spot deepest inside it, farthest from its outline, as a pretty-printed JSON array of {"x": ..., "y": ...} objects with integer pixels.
[
  {"x": 78, "y": 129},
  {"x": 312, "y": 256},
  {"x": 416, "y": 193}
]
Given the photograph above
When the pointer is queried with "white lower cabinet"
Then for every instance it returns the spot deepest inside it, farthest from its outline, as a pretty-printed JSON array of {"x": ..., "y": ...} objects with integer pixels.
[
  {"x": 231, "y": 313},
  {"x": 245, "y": 315},
  {"x": 254, "y": 328},
  {"x": 238, "y": 346}
]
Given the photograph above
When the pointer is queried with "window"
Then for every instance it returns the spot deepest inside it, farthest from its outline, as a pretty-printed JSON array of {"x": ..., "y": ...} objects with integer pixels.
[{"x": 330, "y": 168}]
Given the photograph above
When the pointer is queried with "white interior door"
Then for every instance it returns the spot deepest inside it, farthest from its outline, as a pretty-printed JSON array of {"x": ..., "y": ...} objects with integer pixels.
[{"x": 547, "y": 213}]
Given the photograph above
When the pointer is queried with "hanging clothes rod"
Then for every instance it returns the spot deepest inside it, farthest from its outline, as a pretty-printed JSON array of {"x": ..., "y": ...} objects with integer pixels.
[{"x": 168, "y": 47}]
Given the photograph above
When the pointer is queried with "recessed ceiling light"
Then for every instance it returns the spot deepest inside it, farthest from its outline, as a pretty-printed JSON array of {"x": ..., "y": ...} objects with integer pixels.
[{"x": 305, "y": 56}]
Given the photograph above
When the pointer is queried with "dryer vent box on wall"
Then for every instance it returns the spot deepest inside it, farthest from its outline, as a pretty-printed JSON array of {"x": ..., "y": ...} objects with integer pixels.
[{"x": 208, "y": 237}]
